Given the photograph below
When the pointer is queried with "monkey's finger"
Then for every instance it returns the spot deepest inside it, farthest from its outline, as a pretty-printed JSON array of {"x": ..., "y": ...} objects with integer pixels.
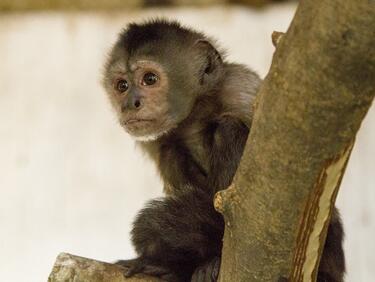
[
  {"x": 170, "y": 277},
  {"x": 215, "y": 269},
  {"x": 199, "y": 275},
  {"x": 155, "y": 270},
  {"x": 137, "y": 267},
  {"x": 126, "y": 263}
]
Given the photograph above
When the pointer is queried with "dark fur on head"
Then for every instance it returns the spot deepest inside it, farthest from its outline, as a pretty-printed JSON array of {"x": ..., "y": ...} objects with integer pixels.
[
  {"x": 135, "y": 36},
  {"x": 167, "y": 41}
]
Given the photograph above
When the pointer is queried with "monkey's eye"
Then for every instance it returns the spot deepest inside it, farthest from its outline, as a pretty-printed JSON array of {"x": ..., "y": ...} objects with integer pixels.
[
  {"x": 122, "y": 85},
  {"x": 149, "y": 79}
]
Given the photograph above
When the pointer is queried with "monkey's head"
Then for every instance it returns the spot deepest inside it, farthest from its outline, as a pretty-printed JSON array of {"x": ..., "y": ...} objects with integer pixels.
[{"x": 155, "y": 73}]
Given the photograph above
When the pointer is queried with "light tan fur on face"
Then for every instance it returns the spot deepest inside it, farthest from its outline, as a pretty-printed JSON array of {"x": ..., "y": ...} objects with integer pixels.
[{"x": 153, "y": 116}]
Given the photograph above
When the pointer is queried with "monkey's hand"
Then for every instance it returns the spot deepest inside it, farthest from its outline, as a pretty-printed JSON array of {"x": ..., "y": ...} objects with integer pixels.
[
  {"x": 142, "y": 265},
  {"x": 207, "y": 272},
  {"x": 325, "y": 277}
]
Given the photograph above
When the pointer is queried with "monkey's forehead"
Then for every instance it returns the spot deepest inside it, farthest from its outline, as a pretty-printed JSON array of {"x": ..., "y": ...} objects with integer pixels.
[
  {"x": 122, "y": 61},
  {"x": 131, "y": 64}
]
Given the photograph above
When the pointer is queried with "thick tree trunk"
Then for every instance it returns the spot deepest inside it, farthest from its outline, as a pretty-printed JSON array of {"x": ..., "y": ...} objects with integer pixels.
[{"x": 310, "y": 107}]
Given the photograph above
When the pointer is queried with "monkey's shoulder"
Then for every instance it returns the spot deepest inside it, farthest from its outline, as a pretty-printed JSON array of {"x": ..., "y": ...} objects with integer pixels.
[{"x": 238, "y": 93}]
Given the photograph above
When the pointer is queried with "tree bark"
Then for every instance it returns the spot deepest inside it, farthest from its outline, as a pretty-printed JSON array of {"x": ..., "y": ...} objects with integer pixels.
[{"x": 309, "y": 109}]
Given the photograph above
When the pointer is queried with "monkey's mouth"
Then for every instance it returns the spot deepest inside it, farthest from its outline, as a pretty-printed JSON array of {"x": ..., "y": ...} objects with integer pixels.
[
  {"x": 133, "y": 121},
  {"x": 138, "y": 126},
  {"x": 145, "y": 129}
]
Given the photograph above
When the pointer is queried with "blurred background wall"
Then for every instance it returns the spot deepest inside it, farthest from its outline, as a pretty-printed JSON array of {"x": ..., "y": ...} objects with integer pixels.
[{"x": 70, "y": 179}]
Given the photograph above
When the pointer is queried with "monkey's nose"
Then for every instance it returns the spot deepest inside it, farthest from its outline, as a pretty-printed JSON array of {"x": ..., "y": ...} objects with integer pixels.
[
  {"x": 137, "y": 104},
  {"x": 131, "y": 104}
]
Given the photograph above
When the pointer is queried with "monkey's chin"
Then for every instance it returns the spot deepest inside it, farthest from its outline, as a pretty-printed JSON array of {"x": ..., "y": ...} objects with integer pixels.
[
  {"x": 146, "y": 131},
  {"x": 150, "y": 137}
]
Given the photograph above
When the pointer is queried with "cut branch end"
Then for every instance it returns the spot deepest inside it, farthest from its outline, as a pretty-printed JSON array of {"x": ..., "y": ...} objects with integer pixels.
[{"x": 276, "y": 37}]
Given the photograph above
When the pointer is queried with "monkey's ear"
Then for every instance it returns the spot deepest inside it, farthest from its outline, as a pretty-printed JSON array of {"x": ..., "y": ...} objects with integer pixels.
[{"x": 211, "y": 57}]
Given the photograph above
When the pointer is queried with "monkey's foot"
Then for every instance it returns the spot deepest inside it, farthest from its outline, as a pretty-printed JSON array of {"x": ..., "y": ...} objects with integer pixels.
[
  {"x": 207, "y": 272},
  {"x": 142, "y": 265}
]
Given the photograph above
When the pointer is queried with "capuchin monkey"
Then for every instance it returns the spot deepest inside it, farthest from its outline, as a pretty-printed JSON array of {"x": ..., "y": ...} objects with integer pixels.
[{"x": 190, "y": 110}]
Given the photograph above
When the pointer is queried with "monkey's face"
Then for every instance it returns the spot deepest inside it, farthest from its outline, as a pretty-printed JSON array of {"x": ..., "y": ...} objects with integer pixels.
[
  {"x": 143, "y": 97},
  {"x": 155, "y": 76}
]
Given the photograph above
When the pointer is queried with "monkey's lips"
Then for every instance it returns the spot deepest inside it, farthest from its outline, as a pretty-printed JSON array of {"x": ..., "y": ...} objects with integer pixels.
[
  {"x": 132, "y": 121},
  {"x": 138, "y": 126},
  {"x": 145, "y": 128}
]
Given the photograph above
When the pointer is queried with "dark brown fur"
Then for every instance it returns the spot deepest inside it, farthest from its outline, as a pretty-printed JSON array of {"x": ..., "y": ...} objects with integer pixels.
[{"x": 200, "y": 113}]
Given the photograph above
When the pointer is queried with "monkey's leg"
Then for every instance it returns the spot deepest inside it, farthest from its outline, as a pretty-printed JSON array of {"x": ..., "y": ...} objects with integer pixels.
[
  {"x": 332, "y": 264},
  {"x": 141, "y": 265},
  {"x": 207, "y": 272},
  {"x": 174, "y": 235}
]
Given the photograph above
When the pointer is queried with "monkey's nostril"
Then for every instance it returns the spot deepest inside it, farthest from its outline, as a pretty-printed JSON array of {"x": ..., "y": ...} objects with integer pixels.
[
  {"x": 137, "y": 104},
  {"x": 123, "y": 108}
]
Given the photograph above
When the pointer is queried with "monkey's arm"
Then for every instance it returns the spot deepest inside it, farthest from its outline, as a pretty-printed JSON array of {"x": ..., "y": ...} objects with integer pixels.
[
  {"x": 228, "y": 141},
  {"x": 178, "y": 168}
]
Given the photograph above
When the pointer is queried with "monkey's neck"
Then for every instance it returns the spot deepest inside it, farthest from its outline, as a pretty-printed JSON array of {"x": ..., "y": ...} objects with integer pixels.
[
  {"x": 205, "y": 108},
  {"x": 184, "y": 146}
]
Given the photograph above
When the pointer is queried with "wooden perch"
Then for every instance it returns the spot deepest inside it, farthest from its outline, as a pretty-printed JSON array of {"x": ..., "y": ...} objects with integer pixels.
[
  {"x": 78, "y": 269},
  {"x": 309, "y": 109}
]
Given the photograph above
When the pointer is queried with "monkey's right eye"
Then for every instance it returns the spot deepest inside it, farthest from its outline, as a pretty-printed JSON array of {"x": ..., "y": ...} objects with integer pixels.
[
  {"x": 149, "y": 79},
  {"x": 122, "y": 85}
]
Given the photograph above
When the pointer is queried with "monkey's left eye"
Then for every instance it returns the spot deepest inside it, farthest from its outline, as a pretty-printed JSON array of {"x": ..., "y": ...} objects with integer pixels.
[
  {"x": 149, "y": 79},
  {"x": 122, "y": 85}
]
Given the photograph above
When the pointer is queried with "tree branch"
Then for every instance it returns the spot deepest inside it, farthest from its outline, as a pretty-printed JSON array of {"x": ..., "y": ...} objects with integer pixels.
[
  {"x": 78, "y": 269},
  {"x": 309, "y": 109}
]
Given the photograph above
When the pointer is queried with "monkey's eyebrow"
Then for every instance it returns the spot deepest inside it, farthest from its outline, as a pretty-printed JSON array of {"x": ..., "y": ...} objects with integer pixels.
[
  {"x": 118, "y": 68},
  {"x": 134, "y": 67},
  {"x": 141, "y": 63},
  {"x": 120, "y": 72}
]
